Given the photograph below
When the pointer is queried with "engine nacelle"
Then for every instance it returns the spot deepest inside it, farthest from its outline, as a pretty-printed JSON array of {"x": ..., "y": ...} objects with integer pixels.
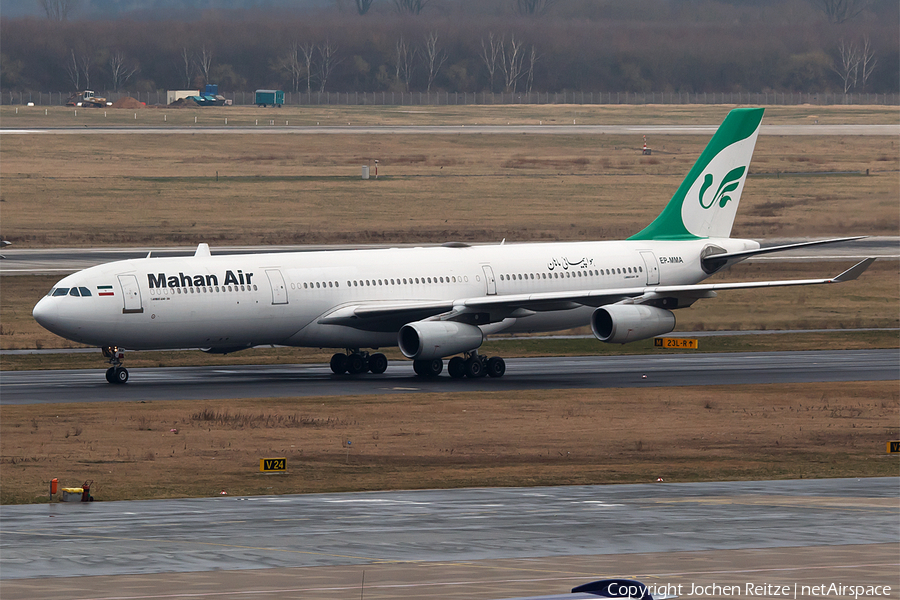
[
  {"x": 427, "y": 340},
  {"x": 621, "y": 323}
]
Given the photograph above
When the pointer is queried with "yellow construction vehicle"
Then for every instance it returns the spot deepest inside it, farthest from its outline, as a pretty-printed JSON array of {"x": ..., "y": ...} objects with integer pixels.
[{"x": 87, "y": 98}]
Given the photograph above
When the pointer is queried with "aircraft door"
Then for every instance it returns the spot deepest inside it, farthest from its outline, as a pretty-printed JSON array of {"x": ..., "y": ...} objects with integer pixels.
[
  {"x": 132, "y": 294},
  {"x": 489, "y": 281},
  {"x": 652, "y": 267},
  {"x": 279, "y": 291}
]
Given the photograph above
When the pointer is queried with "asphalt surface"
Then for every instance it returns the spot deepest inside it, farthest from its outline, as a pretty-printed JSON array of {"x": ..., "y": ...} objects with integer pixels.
[
  {"x": 256, "y": 381},
  {"x": 574, "y": 129},
  {"x": 114, "y": 543}
]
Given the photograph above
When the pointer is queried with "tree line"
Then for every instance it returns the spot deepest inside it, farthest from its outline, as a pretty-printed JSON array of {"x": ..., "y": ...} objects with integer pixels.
[{"x": 502, "y": 46}]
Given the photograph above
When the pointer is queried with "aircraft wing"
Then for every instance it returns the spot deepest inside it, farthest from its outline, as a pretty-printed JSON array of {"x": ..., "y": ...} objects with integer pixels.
[{"x": 481, "y": 310}]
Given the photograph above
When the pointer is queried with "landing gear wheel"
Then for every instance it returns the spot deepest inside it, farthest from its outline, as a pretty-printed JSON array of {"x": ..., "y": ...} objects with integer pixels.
[
  {"x": 457, "y": 367},
  {"x": 116, "y": 373},
  {"x": 496, "y": 366},
  {"x": 357, "y": 364},
  {"x": 474, "y": 368},
  {"x": 428, "y": 368},
  {"x": 378, "y": 363},
  {"x": 339, "y": 364}
]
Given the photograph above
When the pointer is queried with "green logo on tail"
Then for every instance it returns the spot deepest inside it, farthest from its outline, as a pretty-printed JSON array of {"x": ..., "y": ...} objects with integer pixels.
[{"x": 733, "y": 177}]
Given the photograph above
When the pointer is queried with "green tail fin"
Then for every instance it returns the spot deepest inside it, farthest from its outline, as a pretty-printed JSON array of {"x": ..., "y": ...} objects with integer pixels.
[{"x": 707, "y": 200}]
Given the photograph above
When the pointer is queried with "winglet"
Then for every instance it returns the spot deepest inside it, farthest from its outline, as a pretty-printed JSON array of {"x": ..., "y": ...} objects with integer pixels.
[
  {"x": 854, "y": 271},
  {"x": 202, "y": 250}
]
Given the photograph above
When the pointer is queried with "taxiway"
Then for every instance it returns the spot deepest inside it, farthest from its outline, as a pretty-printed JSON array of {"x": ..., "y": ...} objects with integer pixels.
[{"x": 255, "y": 381}]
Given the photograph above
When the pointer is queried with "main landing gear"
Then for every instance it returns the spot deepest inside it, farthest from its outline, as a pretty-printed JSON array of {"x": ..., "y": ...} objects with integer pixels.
[
  {"x": 116, "y": 373},
  {"x": 473, "y": 365},
  {"x": 357, "y": 363}
]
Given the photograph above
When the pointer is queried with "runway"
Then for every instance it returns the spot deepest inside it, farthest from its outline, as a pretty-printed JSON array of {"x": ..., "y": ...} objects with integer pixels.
[
  {"x": 469, "y": 543},
  {"x": 574, "y": 129},
  {"x": 255, "y": 381}
]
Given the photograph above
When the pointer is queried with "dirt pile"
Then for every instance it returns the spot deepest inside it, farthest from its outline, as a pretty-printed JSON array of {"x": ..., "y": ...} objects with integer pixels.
[
  {"x": 127, "y": 102},
  {"x": 184, "y": 103}
]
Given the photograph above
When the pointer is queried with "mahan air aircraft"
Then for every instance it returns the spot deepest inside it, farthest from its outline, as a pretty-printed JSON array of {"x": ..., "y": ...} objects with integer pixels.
[{"x": 432, "y": 302}]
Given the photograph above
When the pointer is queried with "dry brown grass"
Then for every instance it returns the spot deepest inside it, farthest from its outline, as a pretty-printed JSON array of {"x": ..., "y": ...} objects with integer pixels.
[
  {"x": 248, "y": 189},
  {"x": 174, "y": 449},
  {"x": 556, "y": 114}
]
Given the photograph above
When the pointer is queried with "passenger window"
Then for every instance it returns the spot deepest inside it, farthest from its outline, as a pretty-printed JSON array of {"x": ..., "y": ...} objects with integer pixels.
[{"x": 61, "y": 291}]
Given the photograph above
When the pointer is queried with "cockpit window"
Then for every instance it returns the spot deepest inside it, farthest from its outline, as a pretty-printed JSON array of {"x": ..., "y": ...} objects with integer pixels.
[
  {"x": 60, "y": 291},
  {"x": 74, "y": 292},
  {"x": 84, "y": 291}
]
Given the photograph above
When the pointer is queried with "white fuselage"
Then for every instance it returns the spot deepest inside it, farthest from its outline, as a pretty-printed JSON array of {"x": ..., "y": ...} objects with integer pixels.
[{"x": 233, "y": 301}]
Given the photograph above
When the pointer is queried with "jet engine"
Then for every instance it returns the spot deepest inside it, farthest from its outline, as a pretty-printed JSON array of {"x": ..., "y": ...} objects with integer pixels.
[
  {"x": 427, "y": 340},
  {"x": 621, "y": 323}
]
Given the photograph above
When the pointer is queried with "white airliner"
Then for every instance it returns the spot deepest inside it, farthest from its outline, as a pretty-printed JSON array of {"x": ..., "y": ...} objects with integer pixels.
[{"x": 432, "y": 302}]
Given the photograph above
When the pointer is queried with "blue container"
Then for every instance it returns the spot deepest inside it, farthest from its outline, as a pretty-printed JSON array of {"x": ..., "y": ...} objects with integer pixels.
[{"x": 212, "y": 89}]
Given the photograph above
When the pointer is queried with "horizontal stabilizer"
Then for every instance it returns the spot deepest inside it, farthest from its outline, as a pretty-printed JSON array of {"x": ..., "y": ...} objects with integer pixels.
[{"x": 714, "y": 261}]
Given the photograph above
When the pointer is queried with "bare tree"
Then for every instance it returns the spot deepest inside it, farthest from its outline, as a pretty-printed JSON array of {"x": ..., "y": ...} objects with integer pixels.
[
  {"x": 58, "y": 10},
  {"x": 848, "y": 66},
  {"x": 867, "y": 61},
  {"x": 327, "y": 62},
  {"x": 534, "y": 7},
  {"x": 410, "y": 7},
  {"x": 186, "y": 67},
  {"x": 511, "y": 60},
  {"x": 490, "y": 54},
  {"x": 362, "y": 6},
  {"x": 532, "y": 58},
  {"x": 121, "y": 69},
  {"x": 309, "y": 53},
  {"x": 434, "y": 58},
  {"x": 86, "y": 63},
  {"x": 204, "y": 62},
  {"x": 291, "y": 63},
  {"x": 73, "y": 71},
  {"x": 403, "y": 62},
  {"x": 839, "y": 11}
]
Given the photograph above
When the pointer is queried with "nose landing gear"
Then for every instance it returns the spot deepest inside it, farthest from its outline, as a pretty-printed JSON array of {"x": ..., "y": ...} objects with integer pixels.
[{"x": 116, "y": 373}]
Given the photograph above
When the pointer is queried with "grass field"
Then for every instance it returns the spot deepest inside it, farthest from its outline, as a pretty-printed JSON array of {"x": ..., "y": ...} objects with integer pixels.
[
  {"x": 526, "y": 114},
  {"x": 71, "y": 190},
  {"x": 176, "y": 449}
]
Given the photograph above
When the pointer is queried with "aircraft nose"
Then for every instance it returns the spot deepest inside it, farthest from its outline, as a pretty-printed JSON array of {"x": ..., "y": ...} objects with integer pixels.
[{"x": 46, "y": 313}]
